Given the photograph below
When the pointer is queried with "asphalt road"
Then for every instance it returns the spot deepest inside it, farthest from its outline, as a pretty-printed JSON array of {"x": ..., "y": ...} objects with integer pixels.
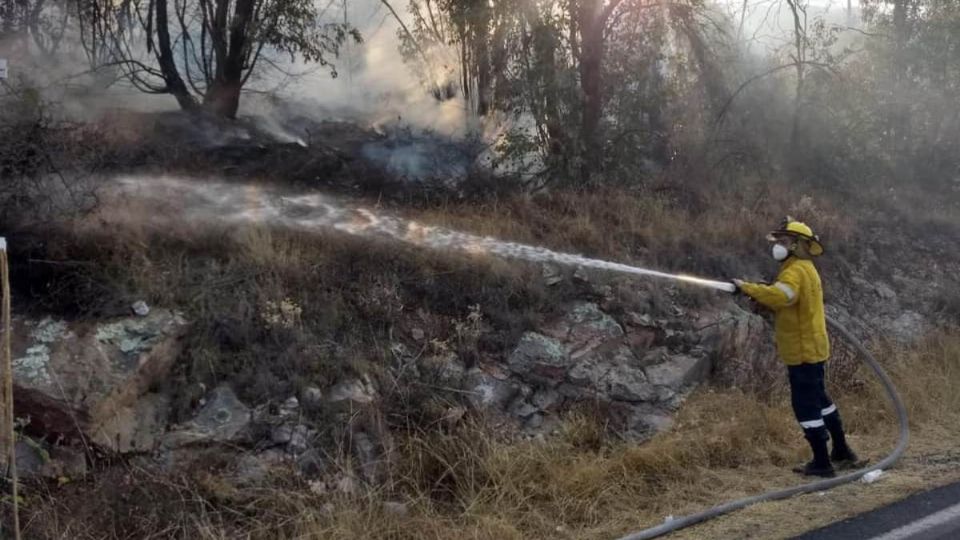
[{"x": 931, "y": 515}]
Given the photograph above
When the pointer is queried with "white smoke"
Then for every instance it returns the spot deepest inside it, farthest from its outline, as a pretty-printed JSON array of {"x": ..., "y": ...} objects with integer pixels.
[{"x": 374, "y": 85}]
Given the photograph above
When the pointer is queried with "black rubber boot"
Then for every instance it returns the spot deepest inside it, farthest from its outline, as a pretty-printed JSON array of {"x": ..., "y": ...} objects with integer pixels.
[
  {"x": 820, "y": 465},
  {"x": 845, "y": 459},
  {"x": 841, "y": 455}
]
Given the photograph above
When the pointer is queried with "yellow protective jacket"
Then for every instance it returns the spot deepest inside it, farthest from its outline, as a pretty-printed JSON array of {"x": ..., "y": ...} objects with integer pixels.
[{"x": 797, "y": 301}]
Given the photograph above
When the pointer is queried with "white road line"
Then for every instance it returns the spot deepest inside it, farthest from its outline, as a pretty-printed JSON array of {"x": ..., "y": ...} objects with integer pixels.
[{"x": 944, "y": 516}]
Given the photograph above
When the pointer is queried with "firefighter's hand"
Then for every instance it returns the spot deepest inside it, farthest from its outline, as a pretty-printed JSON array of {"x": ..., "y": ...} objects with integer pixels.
[{"x": 738, "y": 283}]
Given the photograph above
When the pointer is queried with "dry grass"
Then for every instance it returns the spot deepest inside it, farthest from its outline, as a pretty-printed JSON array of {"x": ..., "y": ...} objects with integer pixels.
[
  {"x": 580, "y": 483},
  {"x": 708, "y": 233},
  {"x": 725, "y": 445},
  {"x": 276, "y": 310}
]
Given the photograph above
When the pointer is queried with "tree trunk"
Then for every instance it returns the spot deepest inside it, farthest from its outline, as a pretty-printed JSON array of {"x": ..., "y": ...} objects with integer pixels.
[
  {"x": 799, "y": 57},
  {"x": 482, "y": 60},
  {"x": 591, "y": 86},
  {"x": 223, "y": 96},
  {"x": 168, "y": 66},
  {"x": 7, "y": 16},
  {"x": 900, "y": 113},
  {"x": 499, "y": 64}
]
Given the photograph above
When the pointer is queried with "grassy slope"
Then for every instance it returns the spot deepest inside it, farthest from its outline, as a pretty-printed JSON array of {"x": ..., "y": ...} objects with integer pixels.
[{"x": 351, "y": 298}]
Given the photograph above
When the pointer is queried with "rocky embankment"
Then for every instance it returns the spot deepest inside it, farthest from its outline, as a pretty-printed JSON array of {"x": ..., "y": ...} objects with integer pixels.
[{"x": 86, "y": 390}]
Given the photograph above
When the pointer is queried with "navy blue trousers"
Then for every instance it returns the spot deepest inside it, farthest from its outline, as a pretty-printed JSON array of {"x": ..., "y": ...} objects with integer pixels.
[{"x": 812, "y": 406}]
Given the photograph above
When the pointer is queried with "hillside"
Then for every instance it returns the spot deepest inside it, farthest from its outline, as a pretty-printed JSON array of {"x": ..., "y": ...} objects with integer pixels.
[{"x": 326, "y": 370}]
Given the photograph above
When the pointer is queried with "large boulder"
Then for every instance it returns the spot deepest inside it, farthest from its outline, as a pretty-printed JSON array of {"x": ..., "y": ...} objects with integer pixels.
[
  {"x": 84, "y": 380},
  {"x": 743, "y": 348},
  {"x": 638, "y": 373}
]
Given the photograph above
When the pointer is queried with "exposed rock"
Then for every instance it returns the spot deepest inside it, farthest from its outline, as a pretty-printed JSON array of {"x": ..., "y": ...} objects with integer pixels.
[
  {"x": 851, "y": 323},
  {"x": 587, "y": 356},
  {"x": 486, "y": 391},
  {"x": 539, "y": 358},
  {"x": 311, "y": 463},
  {"x": 588, "y": 372},
  {"x": 639, "y": 421},
  {"x": 605, "y": 292},
  {"x": 615, "y": 374},
  {"x": 588, "y": 328},
  {"x": 546, "y": 399},
  {"x": 640, "y": 340},
  {"x": 347, "y": 485},
  {"x": 658, "y": 422},
  {"x": 580, "y": 275},
  {"x": 885, "y": 292},
  {"x": 76, "y": 379},
  {"x": 398, "y": 509},
  {"x": 454, "y": 415},
  {"x": 312, "y": 396},
  {"x": 140, "y": 308},
  {"x": 551, "y": 275},
  {"x": 366, "y": 452},
  {"x": 353, "y": 391},
  {"x": 223, "y": 419},
  {"x": 290, "y": 407},
  {"x": 36, "y": 459},
  {"x": 907, "y": 328},
  {"x": 743, "y": 347},
  {"x": 630, "y": 384},
  {"x": 136, "y": 428},
  {"x": 254, "y": 469},
  {"x": 299, "y": 439},
  {"x": 444, "y": 369},
  {"x": 655, "y": 356},
  {"x": 640, "y": 320},
  {"x": 678, "y": 371},
  {"x": 882, "y": 290},
  {"x": 522, "y": 409},
  {"x": 535, "y": 421},
  {"x": 31, "y": 458},
  {"x": 281, "y": 434}
]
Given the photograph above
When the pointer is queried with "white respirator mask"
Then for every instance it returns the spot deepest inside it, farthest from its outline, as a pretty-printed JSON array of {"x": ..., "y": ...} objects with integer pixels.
[{"x": 779, "y": 252}]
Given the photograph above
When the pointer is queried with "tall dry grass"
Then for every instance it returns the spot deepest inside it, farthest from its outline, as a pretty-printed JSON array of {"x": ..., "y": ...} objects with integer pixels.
[
  {"x": 471, "y": 482},
  {"x": 709, "y": 234}
]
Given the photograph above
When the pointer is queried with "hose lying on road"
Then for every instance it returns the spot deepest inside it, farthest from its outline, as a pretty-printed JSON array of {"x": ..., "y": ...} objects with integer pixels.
[{"x": 819, "y": 485}]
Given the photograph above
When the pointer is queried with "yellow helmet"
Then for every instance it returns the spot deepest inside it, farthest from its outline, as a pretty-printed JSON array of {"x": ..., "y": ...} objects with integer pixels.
[{"x": 797, "y": 229}]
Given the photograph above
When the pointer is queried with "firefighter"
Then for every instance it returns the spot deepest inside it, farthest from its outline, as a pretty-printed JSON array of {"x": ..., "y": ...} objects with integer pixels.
[{"x": 796, "y": 298}]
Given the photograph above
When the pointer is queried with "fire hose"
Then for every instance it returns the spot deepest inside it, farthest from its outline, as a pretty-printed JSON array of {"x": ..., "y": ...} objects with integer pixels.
[{"x": 820, "y": 485}]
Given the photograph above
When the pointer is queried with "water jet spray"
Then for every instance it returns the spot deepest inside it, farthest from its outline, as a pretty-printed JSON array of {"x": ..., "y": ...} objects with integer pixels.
[{"x": 218, "y": 202}]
